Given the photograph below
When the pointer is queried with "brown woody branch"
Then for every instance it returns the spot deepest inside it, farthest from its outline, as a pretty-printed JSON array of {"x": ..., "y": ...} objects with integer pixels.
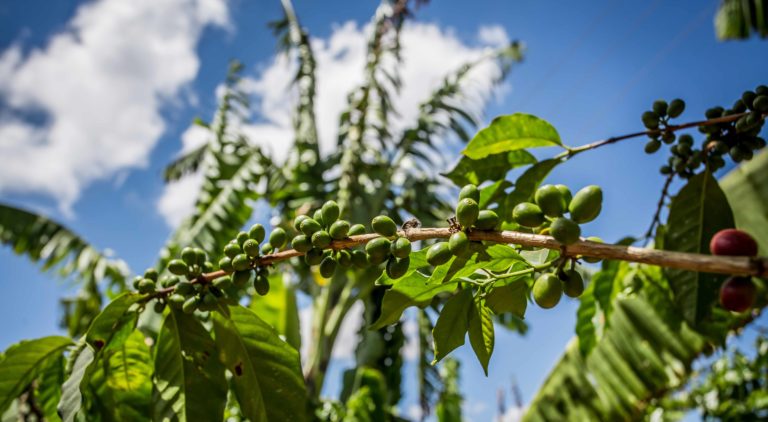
[{"x": 746, "y": 266}]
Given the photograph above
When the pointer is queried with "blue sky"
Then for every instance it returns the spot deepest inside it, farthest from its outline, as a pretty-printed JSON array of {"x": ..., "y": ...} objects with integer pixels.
[{"x": 591, "y": 68}]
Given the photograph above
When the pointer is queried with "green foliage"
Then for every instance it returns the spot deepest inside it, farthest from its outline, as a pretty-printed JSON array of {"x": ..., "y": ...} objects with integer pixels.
[
  {"x": 747, "y": 186},
  {"x": 511, "y": 133},
  {"x": 698, "y": 211},
  {"x": 737, "y": 19},
  {"x": 23, "y": 362}
]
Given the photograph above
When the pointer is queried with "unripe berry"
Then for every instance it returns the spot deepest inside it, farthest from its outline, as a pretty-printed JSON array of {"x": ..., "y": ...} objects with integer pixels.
[
  {"x": 378, "y": 247},
  {"x": 301, "y": 243},
  {"x": 547, "y": 290},
  {"x": 190, "y": 305},
  {"x": 309, "y": 226},
  {"x": 567, "y": 196},
  {"x": 257, "y": 233},
  {"x": 241, "y": 238},
  {"x": 737, "y": 294},
  {"x": 470, "y": 191},
  {"x": 278, "y": 238},
  {"x": 586, "y": 204},
  {"x": 344, "y": 258},
  {"x": 339, "y": 229},
  {"x": 401, "y": 247},
  {"x": 321, "y": 239},
  {"x": 356, "y": 230},
  {"x": 261, "y": 285},
  {"x": 223, "y": 283},
  {"x": 314, "y": 256},
  {"x": 185, "y": 288},
  {"x": 151, "y": 274},
  {"x": 528, "y": 215},
  {"x": 676, "y": 108},
  {"x": 298, "y": 220},
  {"x": 146, "y": 286},
  {"x": 188, "y": 255},
  {"x": 267, "y": 248},
  {"x": 251, "y": 248},
  {"x": 397, "y": 267},
  {"x": 384, "y": 226},
  {"x": 458, "y": 243},
  {"x": 467, "y": 212},
  {"x": 328, "y": 267},
  {"x": 318, "y": 216},
  {"x": 650, "y": 120},
  {"x": 660, "y": 107},
  {"x": 438, "y": 254},
  {"x": 565, "y": 231},
  {"x": 487, "y": 220},
  {"x": 573, "y": 283},
  {"x": 178, "y": 267},
  {"x": 652, "y": 146},
  {"x": 359, "y": 259},
  {"x": 733, "y": 242},
  {"x": 241, "y": 278},
  {"x": 241, "y": 262},
  {"x": 551, "y": 201},
  {"x": 232, "y": 250},
  {"x": 330, "y": 212}
]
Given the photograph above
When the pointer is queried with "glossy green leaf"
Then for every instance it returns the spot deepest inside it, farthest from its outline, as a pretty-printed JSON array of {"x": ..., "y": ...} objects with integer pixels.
[
  {"x": 71, "y": 396},
  {"x": 265, "y": 370},
  {"x": 740, "y": 19},
  {"x": 114, "y": 324},
  {"x": 747, "y": 186},
  {"x": 21, "y": 363},
  {"x": 481, "y": 334},
  {"x": 414, "y": 289},
  {"x": 586, "y": 330},
  {"x": 697, "y": 212},
  {"x": 510, "y": 133},
  {"x": 493, "y": 167},
  {"x": 189, "y": 381},
  {"x": 510, "y": 297},
  {"x": 48, "y": 389},
  {"x": 452, "y": 324},
  {"x": 279, "y": 310}
]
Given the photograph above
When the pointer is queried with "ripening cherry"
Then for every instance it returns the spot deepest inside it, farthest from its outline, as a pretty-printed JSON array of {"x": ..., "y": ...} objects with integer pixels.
[
  {"x": 737, "y": 294},
  {"x": 732, "y": 242}
]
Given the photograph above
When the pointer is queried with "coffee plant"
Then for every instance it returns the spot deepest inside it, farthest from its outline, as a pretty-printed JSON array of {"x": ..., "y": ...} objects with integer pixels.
[{"x": 211, "y": 332}]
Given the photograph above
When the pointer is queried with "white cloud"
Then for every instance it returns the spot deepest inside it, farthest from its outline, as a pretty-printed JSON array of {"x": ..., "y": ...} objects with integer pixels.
[
  {"x": 429, "y": 53},
  {"x": 100, "y": 84}
]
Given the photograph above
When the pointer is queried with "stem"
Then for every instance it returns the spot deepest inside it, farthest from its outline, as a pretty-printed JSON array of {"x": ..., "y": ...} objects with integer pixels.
[
  {"x": 652, "y": 132},
  {"x": 656, "y": 216},
  {"x": 735, "y": 265}
]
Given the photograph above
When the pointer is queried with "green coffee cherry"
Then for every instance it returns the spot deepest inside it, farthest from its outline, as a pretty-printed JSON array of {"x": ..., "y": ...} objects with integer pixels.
[
  {"x": 660, "y": 107},
  {"x": 565, "y": 231},
  {"x": 159, "y": 307},
  {"x": 359, "y": 259},
  {"x": 190, "y": 305},
  {"x": 200, "y": 257},
  {"x": 241, "y": 262},
  {"x": 188, "y": 255},
  {"x": 528, "y": 215},
  {"x": 146, "y": 286},
  {"x": 208, "y": 267},
  {"x": 467, "y": 212},
  {"x": 551, "y": 201},
  {"x": 397, "y": 267},
  {"x": 223, "y": 283},
  {"x": 318, "y": 216},
  {"x": 573, "y": 283},
  {"x": 547, "y": 291},
  {"x": 261, "y": 284},
  {"x": 761, "y": 103},
  {"x": 267, "y": 248},
  {"x": 176, "y": 300},
  {"x": 344, "y": 258},
  {"x": 278, "y": 238},
  {"x": 339, "y": 229},
  {"x": 356, "y": 230},
  {"x": 384, "y": 226},
  {"x": 309, "y": 226},
  {"x": 470, "y": 191},
  {"x": 587, "y": 204},
  {"x": 298, "y": 220},
  {"x": 251, "y": 248},
  {"x": 566, "y": 194},
  {"x": 676, "y": 108},
  {"x": 241, "y": 238},
  {"x": 458, "y": 244},
  {"x": 650, "y": 120},
  {"x": 401, "y": 247},
  {"x": 438, "y": 254},
  {"x": 185, "y": 288},
  {"x": 169, "y": 281},
  {"x": 178, "y": 267},
  {"x": 321, "y": 239},
  {"x": 378, "y": 247},
  {"x": 330, "y": 212},
  {"x": 377, "y": 259},
  {"x": 486, "y": 220},
  {"x": 232, "y": 250},
  {"x": 652, "y": 146},
  {"x": 257, "y": 233},
  {"x": 590, "y": 259},
  {"x": 301, "y": 243},
  {"x": 136, "y": 281},
  {"x": 328, "y": 267},
  {"x": 241, "y": 278},
  {"x": 314, "y": 256}
]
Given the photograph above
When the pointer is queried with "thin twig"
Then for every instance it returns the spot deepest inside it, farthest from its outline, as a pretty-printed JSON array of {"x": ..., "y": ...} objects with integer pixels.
[{"x": 657, "y": 215}]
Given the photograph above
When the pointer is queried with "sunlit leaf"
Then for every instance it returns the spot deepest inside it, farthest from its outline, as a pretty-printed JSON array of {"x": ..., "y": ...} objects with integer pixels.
[{"x": 510, "y": 133}]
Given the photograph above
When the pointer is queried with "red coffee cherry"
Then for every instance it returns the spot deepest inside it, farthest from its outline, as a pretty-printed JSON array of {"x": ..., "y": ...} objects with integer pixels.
[
  {"x": 737, "y": 294},
  {"x": 732, "y": 242}
]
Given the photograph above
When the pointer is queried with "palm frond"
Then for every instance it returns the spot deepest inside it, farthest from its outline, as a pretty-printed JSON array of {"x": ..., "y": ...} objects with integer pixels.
[{"x": 186, "y": 164}]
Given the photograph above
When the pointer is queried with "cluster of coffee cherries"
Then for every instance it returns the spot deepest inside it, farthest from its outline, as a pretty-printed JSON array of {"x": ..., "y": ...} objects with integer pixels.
[
  {"x": 549, "y": 287},
  {"x": 739, "y": 139},
  {"x": 737, "y": 294},
  {"x": 469, "y": 216},
  {"x": 551, "y": 202},
  {"x": 241, "y": 257}
]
